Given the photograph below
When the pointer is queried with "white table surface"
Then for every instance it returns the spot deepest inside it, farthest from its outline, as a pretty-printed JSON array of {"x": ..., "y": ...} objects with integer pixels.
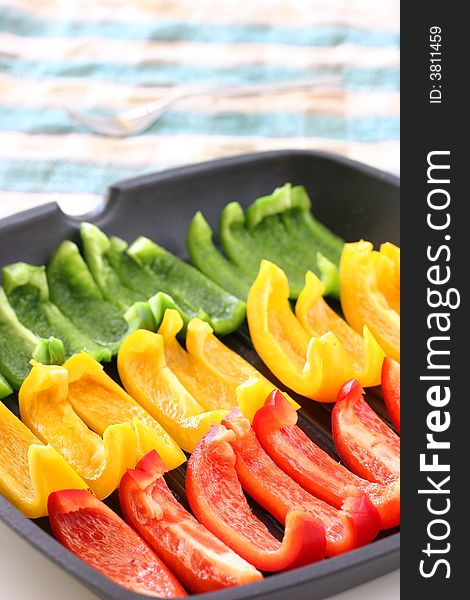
[{"x": 26, "y": 575}]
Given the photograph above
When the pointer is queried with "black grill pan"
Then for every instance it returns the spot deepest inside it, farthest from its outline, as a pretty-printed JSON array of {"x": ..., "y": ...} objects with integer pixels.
[{"x": 354, "y": 200}]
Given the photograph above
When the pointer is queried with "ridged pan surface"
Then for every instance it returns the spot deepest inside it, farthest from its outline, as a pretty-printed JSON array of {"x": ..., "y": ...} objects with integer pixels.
[{"x": 355, "y": 201}]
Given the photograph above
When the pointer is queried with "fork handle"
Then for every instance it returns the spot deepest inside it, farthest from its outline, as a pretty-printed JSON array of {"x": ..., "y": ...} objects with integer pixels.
[
  {"x": 265, "y": 88},
  {"x": 228, "y": 91}
]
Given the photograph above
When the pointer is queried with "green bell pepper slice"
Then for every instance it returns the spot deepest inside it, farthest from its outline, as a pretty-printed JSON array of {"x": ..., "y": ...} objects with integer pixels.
[
  {"x": 300, "y": 222},
  {"x": 96, "y": 249},
  {"x": 206, "y": 257},
  {"x": 262, "y": 233},
  {"x": 28, "y": 294},
  {"x": 73, "y": 289},
  {"x": 149, "y": 315},
  {"x": 132, "y": 275},
  {"x": 145, "y": 283},
  {"x": 312, "y": 244},
  {"x": 18, "y": 345},
  {"x": 123, "y": 281},
  {"x": 5, "y": 388},
  {"x": 223, "y": 311}
]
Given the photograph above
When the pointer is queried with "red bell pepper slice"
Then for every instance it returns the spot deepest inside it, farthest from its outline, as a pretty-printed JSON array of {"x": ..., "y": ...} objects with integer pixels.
[
  {"x": 311, "y": 467},
  {"x": 201, "y": 561},
  {"x": 391, "y": 389},
  {"x": 365, "y": 443},
  {"x": 92, "y": 531},
  {"x": 356, "y": 524},
  {"x": 217, "y": 499}
]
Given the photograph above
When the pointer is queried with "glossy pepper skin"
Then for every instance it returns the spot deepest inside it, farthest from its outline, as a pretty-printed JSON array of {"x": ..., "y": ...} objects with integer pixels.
[
  {"x": 365, "y": 443},
  {"x": 73, "y": 289},
  {"x": 208, "y": 369},
  {"x": 46, "y": 410},
  {"x": 391, "y": 389},
  {"x": 311, "y": 467},
  {"x": 18, "y": 345},
  {"x": 96, "y": 246},
  {"x": 180, "y": 280},
  {"x": 125, "y": 283},
  {"x": 212, "y": 392},
  {"x": 147, "y": 378},
  {"x": 199, "y": 559},
  {"x": 102, "y": 403},
  {"x": 312, "y": 246},
  {"x": 248, "y": 238},
  {"x": 28, "y": 293},
  {"x": 362, "y": 298},
  {"x": 298, "y": 219},
  {"x": 92, "y": 531},
  {"x": 287, "y": 217},
  {"x": 363, "y": 353},
  {"x": 29, "y": 470},
  {"x": 5, "y": 388},
  {"x": 356, "y": 524},
  {"x": 388, "y": 274},
  {"x": 216, "y": 498},
  {"x": 312, "y": 366},
  {"x": 210, "y": 261}
]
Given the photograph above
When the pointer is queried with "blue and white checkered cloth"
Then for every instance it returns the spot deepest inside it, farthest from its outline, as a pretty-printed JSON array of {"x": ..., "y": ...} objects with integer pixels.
[{"x": 110, "y": 55}]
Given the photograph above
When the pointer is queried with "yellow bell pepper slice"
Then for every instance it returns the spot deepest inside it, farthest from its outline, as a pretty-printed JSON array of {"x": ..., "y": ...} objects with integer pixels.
[
  {"x": 46, "y": 410},
  {"x": 252, "y": 394},
  {"x": 29, "y": 470},
  {"x": 315, "y": 367},
  {"x": 212, "y": 392},
  {"x": 362, "y": 301},
  {"x": 146, "y": 376},
  {"x": 100, "y": 402},
  {"x": 211, "y": 372},
  {"x": 388, "y": 273},
  {"x": 317, "y": 318}
]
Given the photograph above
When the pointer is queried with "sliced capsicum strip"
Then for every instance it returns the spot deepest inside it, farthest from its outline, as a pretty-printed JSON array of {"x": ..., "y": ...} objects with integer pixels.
[
  {"x": 260, "y": 234},
  {"x": 5, "y": 388},
  {"x": 252, "y": 394},
  {"x": 312, "y": 366},
  {"x": 311, "y": 467},
  {"x": 28, "y": 293},
  {"x": 216, "y": 498},
  {"x": 101, "y": 403},
  {"x": 96, "y": 246},
  {"x": 365, "y": 443},
  {"x": 131, "y": 274},
  {"x": 149, "y": 315},
  {"x": 210, "y": 261},
  {"x": 92, "y": 531},
  {"x": 361, "y": 299},
  {"x": 208, "y": 369},
  {"x": 298, "y": 219},
  {"x": 73, "y": 289},
  {"x": 46, "y": 410},
  {"x": 391, "y": 389},
  {"x": 18, "y": 345},
  {"x": 209, "y": 390},
  {"x": 199, "y": 559},
  {"x": 306, "y": 242},
  {"x": 364, "y": 354},
  {"x": 29, "y": 470},
  {"x": 183, "y": 282},
  {"x": 356, "y": 524},
  {"x": 388, "y": 273},
  {"x": 146, "y": 376}
]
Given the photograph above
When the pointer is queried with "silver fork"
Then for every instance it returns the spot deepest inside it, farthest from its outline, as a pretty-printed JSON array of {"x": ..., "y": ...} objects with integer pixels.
[{"x": 137, "y": 120}]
